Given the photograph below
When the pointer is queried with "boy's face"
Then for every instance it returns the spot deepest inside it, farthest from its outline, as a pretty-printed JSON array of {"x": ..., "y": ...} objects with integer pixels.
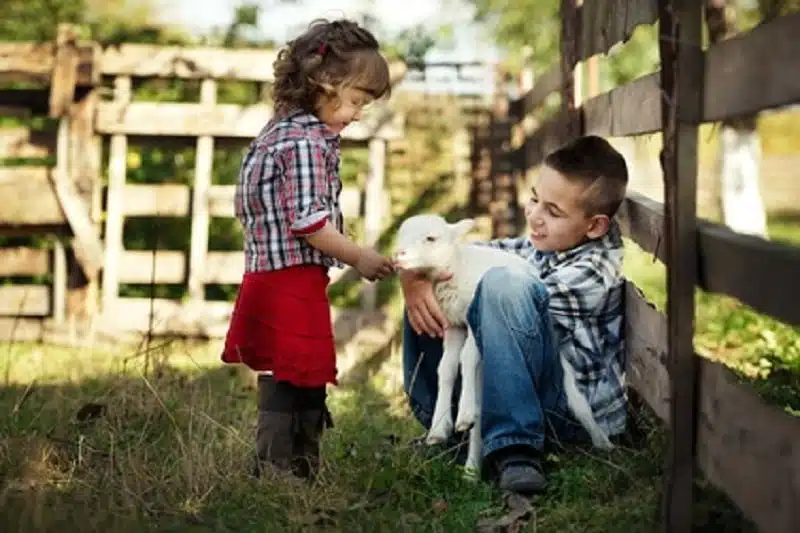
[
  {"x": 556, "y": 216},
  {"x": 338, "y": 112}
]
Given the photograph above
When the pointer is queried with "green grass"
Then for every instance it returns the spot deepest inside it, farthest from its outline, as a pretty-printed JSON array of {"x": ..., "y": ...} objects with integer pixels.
[{"x": 170, "y": 453}]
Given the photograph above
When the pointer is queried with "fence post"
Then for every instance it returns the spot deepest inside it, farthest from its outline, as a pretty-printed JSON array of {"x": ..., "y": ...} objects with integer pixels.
[
  {"x": 504, "y": 207},
  {"x": 374, "y": 211},
  {"x": 681, "y": 108},
  {"x": 570, "y": 30}
]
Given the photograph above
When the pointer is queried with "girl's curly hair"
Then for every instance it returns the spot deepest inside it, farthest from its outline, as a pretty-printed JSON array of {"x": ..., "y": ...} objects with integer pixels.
[{"x": 326, "y": 57}]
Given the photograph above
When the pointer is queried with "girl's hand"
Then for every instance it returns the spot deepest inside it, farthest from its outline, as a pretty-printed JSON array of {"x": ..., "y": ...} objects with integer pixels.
[{"x": 371, "y": 265}]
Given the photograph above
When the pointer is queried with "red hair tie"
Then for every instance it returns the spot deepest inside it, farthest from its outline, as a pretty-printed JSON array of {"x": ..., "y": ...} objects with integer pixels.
[{"x": 322, "y": 49}]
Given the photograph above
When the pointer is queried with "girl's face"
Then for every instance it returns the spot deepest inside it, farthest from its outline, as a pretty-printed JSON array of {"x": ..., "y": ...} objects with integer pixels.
[{"x": 339, "y": 111}]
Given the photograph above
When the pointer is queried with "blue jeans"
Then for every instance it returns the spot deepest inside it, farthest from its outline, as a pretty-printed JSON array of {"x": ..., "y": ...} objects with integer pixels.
[{"x": 523, "y": 392}]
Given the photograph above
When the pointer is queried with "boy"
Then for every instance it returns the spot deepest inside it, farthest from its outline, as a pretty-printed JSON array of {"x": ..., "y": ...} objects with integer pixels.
[{"x": 570, "y": 303}]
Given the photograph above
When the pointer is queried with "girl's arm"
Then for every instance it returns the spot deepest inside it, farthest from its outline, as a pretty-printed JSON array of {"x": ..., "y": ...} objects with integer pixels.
[{"x": 331, "y": 242}]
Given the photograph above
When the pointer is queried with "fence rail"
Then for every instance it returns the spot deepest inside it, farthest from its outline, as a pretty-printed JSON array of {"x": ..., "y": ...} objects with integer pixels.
[{"x": 747, "y": 448}]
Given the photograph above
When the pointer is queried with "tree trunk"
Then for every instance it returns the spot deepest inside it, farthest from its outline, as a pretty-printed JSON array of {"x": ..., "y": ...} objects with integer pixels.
[{"x": 739, "y": 154}]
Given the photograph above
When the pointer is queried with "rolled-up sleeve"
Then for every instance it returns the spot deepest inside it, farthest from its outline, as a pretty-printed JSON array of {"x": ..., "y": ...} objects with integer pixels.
[{"x": 305, "y": 190}]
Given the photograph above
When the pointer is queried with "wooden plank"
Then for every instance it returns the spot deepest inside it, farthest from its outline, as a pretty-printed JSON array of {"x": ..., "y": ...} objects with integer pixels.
[
  {"x": 604, "y": 23},
  {"x": 26, "y": 143},
  {"x": 632, "y": 109},
  {"x": 224, "y": 267},
  {"x": 646, "y": 351},
  {"x": 642, "y": 220},
  {"x": 19, "y": 329},
  {"x": 28, "y": 182},
  {"x": 547, "y": 83},
  {"x": 23, "y": 261},
  {"x": 221, "y": 120},
  {"x": 86, "y": 243},
  {"x": 28, "y": 62},
  {"x": 136, "y": 266},
  {"x": 570, "y": 33},
  {"x": 751, "y": 72},
  {"x": 64, "y": 75},
  {"x": 115, "y": 217},
  {"x": 727, "y": 262},
  {"x": 762, "y": 274},
  {"x": 373, "y": 211},
  {"x": 163, "y": 200},
  {"x": 221, "y": 201},
  {"x": 204, "y": 161},
  {"x": 200, "y": 62},
  {"x": 749, "y": 449},
  {"x": 680, "y": 47},
  {"x": 549, "y": 136},
  {"x": 170, "y": 317},
  {"x": 25, "y": 300}
]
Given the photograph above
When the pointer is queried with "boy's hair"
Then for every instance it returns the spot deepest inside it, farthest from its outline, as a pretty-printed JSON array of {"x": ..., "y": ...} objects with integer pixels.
[
  {"x": 328, "y": 55},
  {"x": 593, "y": 161}
]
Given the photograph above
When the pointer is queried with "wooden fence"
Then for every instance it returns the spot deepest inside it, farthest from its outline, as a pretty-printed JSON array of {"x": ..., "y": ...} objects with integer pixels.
[
  {"x": 66, "y": 200},
  {"x": 748, "y": 449}
]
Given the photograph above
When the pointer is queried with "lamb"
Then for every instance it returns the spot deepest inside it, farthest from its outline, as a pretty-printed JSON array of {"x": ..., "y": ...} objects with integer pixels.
[{"x": 429, "y": 244}]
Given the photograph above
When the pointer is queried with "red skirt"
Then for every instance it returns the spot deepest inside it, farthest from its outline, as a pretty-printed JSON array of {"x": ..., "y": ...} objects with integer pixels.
[{"x": 281, "y": 322}]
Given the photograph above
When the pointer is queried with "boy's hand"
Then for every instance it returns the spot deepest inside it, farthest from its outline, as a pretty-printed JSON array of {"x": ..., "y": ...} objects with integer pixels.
[
  {"x": 371, "y": 265},
  {"x": 424, "y": 313}
]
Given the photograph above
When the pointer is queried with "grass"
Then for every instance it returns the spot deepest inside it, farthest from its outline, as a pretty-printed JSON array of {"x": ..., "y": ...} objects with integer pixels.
[{"x": 169, "y": 452}]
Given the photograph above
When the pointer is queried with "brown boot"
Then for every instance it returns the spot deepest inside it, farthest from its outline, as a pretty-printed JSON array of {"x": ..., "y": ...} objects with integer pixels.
[
  {"x": 277, "y": 425},
  {"x": 314, "y": 418}
]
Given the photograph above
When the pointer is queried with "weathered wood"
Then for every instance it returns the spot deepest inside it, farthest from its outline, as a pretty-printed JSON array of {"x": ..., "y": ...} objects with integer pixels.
[
  {"x": 646, "y": 351},
  {"x": 374, "y": 212},
  {"x": 26, "y": 143},
  {"x": 170, "y": 317},
  {"x": 727, "y": 262},
  {"x": 548, "y": 83},
  {"x": 632, "y": 109},
  {"x": 64, "y": 75},
  {"x": 604, "y": 23},
  {"x": 749, "y": 449},
  {"x": 117, "y": 164},
  {"x": 680, "y": 34},
  {"x": 204, "y": 161},
  {"x": 23, "y": 261},
  {"x": 746, "y": 447},
  {"x": 570, "y": 33},
  {"x": 221, "y": 120},
  {"x": 22, "y": 329},
  {"x": 59, "y": 284},
  {"x": 86, "y": 243},
  {"x": 754, "y": 71},
  {"x": 25, "y": 300},
  {"x": 173, "y": 200},
  {"x": 27, "y": 62},
  {"x": 136, "y": 266},
  {"x": 761, "y": 274},
  {"x": 200, "y": 62},
  {"x": 550, "y": 135},
  {"x": 28, "y": 182}
]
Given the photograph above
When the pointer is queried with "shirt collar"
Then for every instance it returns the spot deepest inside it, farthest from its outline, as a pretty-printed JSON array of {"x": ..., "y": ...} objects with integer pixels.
[{"x": 309, "y": 120}]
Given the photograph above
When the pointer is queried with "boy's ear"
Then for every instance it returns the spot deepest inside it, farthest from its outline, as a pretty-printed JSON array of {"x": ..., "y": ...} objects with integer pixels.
[
  {"x": 462, "y": 227},
  {"x": 598, "y": 226}
]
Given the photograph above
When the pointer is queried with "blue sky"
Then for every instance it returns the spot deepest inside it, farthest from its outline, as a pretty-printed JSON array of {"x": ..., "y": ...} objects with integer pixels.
[{"x": 280, "y": 21}]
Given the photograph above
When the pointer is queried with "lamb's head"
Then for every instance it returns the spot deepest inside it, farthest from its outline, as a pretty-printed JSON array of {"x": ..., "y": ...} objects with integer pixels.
[{"x": 427, "y": 243}]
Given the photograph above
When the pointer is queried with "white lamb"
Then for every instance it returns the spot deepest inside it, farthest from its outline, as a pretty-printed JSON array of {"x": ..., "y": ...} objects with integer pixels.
[{"x": 429, "y": 244}]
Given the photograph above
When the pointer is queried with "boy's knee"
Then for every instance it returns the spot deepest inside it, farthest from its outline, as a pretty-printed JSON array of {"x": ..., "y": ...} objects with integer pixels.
[{"x": 508, "y": 287}]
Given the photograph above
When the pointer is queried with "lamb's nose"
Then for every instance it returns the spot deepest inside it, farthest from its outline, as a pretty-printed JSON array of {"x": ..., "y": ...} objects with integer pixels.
[{"x": 399, "y": 254}]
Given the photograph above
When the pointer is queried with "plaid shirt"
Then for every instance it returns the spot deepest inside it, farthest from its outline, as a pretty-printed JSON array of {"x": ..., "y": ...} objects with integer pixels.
[
  {"x": 288, "y": 188},
  {"x": 586, "y": 290}
]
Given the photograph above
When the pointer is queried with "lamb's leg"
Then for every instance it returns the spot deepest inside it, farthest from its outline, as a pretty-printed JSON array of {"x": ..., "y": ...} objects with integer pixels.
[
  {"x": 467, "y": 406},
  {"x": 582, "y": 410},
  {"x": 442, "y": 423},
  {"x": 473, "y": 465}
]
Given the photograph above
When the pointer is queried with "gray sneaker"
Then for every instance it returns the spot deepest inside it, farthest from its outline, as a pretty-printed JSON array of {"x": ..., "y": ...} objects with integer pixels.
[{"x": 521, "y": 474}]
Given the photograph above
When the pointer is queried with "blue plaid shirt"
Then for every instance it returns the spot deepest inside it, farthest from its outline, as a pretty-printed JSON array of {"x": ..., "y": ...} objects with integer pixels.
[{"x": 587, "y": 292}]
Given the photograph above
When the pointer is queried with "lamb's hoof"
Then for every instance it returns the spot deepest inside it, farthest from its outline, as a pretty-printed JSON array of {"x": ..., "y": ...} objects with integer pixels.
[
  {"x": 471, "y": 472},
  {"x": 465, "y": 420},
  {"x": 439, "y": 433}
]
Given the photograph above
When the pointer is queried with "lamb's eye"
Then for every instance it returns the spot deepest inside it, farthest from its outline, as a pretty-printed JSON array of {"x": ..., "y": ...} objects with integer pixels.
[{"x": 430, "y": 238}]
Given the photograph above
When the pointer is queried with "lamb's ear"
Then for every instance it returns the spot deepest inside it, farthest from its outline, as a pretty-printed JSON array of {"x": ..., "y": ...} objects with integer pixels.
[{"x": 462, "y": 227}]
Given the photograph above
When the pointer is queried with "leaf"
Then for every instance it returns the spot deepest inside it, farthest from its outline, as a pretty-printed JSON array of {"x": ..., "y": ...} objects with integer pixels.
[{"x": 520, "y": 510}]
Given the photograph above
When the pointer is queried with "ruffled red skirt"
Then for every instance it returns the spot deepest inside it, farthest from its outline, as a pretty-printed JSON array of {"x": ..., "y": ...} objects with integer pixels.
[{"x": 281, "y": 322}]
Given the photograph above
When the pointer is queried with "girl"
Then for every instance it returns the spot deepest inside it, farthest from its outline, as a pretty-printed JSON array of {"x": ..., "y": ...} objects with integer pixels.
[{"x": 287, "y": 200}]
